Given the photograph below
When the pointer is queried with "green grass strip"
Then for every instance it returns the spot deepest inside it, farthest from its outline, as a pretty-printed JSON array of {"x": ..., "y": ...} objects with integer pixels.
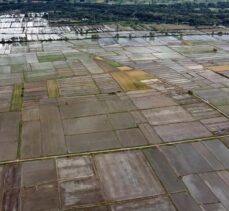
[
  {"x": 113, "y": 63},
  {"x": 17, "y": 98}
]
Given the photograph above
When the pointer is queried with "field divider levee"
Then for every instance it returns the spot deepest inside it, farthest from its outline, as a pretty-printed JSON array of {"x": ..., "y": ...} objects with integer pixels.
[{"x": 142, "y": 147}]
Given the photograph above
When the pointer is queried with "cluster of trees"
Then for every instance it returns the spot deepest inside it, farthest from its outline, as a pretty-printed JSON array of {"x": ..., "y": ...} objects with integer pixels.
[{"x": 189, "y": 13}]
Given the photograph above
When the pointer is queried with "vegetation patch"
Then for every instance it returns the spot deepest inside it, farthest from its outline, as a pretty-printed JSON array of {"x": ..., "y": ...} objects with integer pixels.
[
  {"x": 53, "y": 90},
  {"x": 113, "y": 63},
  {"x": 219, "y": 68},
  {"x": 19, "y": 68},
  {"x": 99, "y": 58},
  {"x": 202, "y": 42},
  {"x": 187, "y": 42},
  {"x": 196, "y": 49},
  {"x": 132, "y": 80},
  {"x": 194, "y": 13},
  {"x": 50, "y": 57},
  {"x": 124, "y": 68},
  {"x": 17, "y": 98}
]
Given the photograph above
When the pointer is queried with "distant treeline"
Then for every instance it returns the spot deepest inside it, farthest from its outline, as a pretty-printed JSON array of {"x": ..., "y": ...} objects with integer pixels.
[{"x": 179, "y": 13}]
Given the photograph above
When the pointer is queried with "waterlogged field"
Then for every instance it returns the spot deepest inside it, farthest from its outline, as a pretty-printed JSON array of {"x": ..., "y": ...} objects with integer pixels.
[{"x": 115, "y": 124}]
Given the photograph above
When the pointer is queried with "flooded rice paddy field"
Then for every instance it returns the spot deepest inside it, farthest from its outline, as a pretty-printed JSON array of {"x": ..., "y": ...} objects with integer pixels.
[
  {"x": 34, "y": 27},
  {"x": 115, "y": 124}
]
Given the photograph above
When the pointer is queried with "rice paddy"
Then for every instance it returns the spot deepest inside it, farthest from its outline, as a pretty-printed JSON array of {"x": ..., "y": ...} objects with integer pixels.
[
  {"x": 50, "y": 57},
  {"x": 77, "y": 115}
]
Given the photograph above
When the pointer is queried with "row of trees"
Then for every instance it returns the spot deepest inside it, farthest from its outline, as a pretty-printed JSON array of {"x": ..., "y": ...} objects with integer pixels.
[{"x": 190, "y": 13}]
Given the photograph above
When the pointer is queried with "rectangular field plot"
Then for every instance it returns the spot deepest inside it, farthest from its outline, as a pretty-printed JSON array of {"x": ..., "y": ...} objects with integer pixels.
[
  {"x": 92, "y": 142},
  {"x": 89, "y": 124},
  {"x": 63, "y": 69},
  {"x": 217, "y": 97},
  {"x": 182, "y": 131},
  {"x": 20, "y": 68},
  {"x": 150, "y": 99},
  {"x": 219, "y": 68},
  {"x": 76, "y": 86},
  {"x": 50, "y": 56},
  {"x": 40, "y": 71},
  {"x": 77, "y": 67},
  {"x": 160, "y": 203},
  {"x": 17, "y": 59},
  {"x": 46, "y": 66},
  {"x": 16, "y": 101},
  {"x": 82, "y": 107},
  {"x": 34, "y": 93},
  {"x": 139, "y": 179},
  {"x": 51, "y": 131},
  {"x": 53, "y": 90},
  {"x": 90, "y": 64},
  {"x": 106, "y": 83},
  {"x": 132, "y": 80},
  {"x": 5, "y": 69},
  {"x": 9, "y": 133},
  {"x": 5, "y": 98},
  {"x": 196, "y": 49},
  {"x": 166, "y": 115}
]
